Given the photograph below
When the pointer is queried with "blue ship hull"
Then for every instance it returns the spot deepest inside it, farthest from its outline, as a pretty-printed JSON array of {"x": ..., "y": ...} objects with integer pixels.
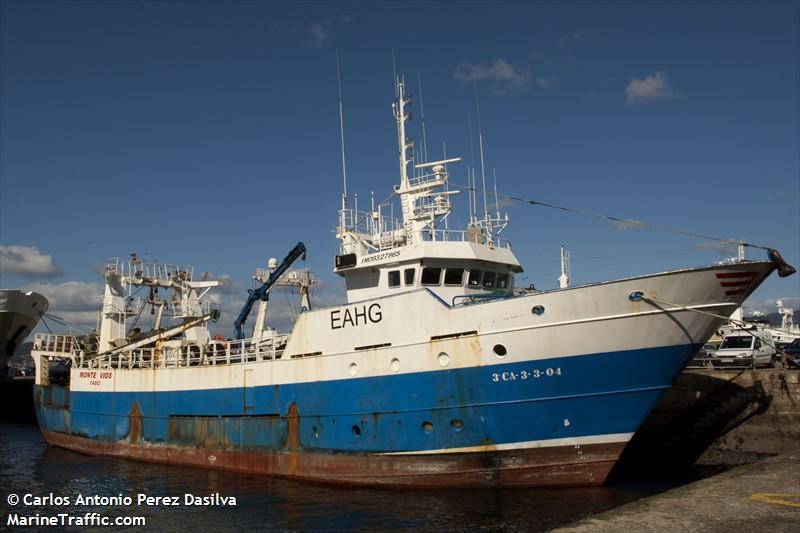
[{"x": 537, "y": 416}]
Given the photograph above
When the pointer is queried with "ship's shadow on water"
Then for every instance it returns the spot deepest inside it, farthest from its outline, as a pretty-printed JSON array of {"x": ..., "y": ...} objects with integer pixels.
[{"x": 29, "y": 465}]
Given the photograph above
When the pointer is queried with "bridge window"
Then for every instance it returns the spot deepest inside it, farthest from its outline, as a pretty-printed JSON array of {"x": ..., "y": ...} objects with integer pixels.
[
  {"x": 409, "y": 275},
  {"x": 488, "y": 280},
  {"x": 394, "y": 278},
  {"x": 454, "y": 276},
  {"x": 474, "y": 279},
  {"x": 502, "y": 281},
  {"x": 431, "y": 276}
]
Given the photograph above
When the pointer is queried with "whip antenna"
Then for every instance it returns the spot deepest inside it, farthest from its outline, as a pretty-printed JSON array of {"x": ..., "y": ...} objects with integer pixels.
[
  {"x": 422, "y": 111},
  {"x": 341, "y": 132},
  {"x": 480, "y": 142}
]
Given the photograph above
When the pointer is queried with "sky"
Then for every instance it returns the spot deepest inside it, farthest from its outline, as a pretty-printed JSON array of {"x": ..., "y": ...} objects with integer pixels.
[{"x": 207, "y": 134}]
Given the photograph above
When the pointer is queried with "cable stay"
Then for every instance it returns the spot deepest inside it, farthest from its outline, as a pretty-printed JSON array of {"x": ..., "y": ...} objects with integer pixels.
[
  {"x": 64, "y": 322},
  {"x": 784, "y": 268}
]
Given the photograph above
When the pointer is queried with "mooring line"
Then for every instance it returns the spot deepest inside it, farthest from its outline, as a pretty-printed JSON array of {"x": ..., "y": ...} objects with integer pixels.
[{"x": 743, "y": 325}]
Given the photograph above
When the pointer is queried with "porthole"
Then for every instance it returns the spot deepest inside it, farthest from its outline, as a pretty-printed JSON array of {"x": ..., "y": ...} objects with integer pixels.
[
  {"x": 444, "y": 359},
  {"x": 353, "y": 369},
  {"x": 636, "y": 296},
  {"x": 356, "y": 431},
  {"x": 395, "y": 365},
  {"x": 537, "y": 310},
  {"x": 500, "y": 350},
  {"x": 427, "y": 427},
  {"x": 457, "y": 425}
]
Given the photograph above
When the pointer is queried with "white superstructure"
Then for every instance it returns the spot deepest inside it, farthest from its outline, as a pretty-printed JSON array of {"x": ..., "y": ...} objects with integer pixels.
[{"x": 19, "y": 313}]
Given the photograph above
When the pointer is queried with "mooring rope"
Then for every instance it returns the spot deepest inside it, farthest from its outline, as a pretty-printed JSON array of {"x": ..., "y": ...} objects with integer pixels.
[
  {"x": 44, "y": 322},
  {"x": 743, "y": 325}
]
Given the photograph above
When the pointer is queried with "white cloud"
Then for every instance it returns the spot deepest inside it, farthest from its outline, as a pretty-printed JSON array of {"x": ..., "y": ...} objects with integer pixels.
[
  {"x": 318, "y": 35},
  {"x": 76, "y": 302},
  {"x": 27, "y": 261},
  {"x": 725, "y": 249},
  {"x": 70, "y": 295},
  {"x": 228, "y": 287},
  {"x": 540, "y": 57},
  {"x": 501, "y": 75},
  {"x": 653, "y": 87},
  {"x": 622, "y": 225},
  {"x": 571, "y": 38}
]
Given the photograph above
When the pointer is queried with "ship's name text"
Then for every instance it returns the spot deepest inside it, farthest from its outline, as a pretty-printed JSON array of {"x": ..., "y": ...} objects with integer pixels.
[
  {"x": 356, "y": 316},
  {"x": 94, "y": 376}
]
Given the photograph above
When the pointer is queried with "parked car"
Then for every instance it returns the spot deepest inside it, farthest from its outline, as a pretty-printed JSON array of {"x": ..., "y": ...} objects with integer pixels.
[
  {"x": 746, "y": 347},
  {"x": 703, "y": 355},
  {"x": 792, "y": 349}
]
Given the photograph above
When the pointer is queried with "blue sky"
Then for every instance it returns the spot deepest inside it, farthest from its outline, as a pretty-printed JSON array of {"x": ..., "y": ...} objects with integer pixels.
[{"x": 207, "y": 133}]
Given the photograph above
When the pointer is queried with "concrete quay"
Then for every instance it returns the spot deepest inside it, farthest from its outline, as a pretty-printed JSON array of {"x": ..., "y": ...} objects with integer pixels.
[{"x": 763, "y": 496}]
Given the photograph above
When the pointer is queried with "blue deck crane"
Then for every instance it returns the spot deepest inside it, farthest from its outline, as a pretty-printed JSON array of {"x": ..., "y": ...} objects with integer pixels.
[{"x": 262, "y": 293}]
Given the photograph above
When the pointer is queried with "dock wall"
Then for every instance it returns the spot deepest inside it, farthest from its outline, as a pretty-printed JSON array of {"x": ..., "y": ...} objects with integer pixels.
[{"x": 724, "y": 417}]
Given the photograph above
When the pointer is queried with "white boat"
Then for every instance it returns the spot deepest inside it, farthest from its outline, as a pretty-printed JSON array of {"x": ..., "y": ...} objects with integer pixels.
[
  {"x": 779, "y": 335},
  {"x": 436, "y": 371},
  {"x": 19, "y": 313},
  {"x": 788, "y": 330}
]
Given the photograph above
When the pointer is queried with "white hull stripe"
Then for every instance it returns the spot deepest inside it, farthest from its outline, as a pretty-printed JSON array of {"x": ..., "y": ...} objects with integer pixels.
[
  {"x": 671, "y": 311},
  {"x": 549, "y": 443}
]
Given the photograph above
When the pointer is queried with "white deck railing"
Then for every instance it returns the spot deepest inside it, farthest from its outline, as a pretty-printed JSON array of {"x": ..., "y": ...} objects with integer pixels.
[
  {"x": 382, "y": 232},
  {"x": 56, "y": 345},
  {"x": 214, "y": 353}
]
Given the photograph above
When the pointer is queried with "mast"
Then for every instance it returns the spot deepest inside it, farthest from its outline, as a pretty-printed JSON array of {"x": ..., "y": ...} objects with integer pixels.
[
  {"x": 401, "y": 117},
  {"x": 420, "y": 205},
  {"x": 563, "y": 279}
]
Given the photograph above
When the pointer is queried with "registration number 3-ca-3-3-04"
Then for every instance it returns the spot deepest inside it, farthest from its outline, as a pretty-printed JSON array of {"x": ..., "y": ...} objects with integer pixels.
[{"x": 524, "y": 374}]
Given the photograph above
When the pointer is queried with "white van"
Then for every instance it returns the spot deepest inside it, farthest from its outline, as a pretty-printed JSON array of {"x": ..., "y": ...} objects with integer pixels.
[{"x": 746, "y": 347}]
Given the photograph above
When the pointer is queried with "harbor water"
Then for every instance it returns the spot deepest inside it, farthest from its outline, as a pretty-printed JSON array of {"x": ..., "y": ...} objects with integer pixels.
[{"x": 29, "y": 466}]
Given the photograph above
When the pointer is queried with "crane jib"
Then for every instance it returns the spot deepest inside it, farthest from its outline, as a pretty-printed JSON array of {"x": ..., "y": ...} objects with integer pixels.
[{"x": 262, "y": 292}]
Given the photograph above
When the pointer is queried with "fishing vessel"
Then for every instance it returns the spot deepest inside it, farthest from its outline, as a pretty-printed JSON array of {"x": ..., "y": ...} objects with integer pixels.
[
  {"x": 20, "y": 311},
  {"x": 436, "y": 372}
]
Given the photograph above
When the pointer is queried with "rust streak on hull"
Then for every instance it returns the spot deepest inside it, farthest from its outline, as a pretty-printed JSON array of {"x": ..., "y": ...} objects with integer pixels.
[
  {"x": 136, "y": 424},
  {"x": 552, "y": 466}
]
